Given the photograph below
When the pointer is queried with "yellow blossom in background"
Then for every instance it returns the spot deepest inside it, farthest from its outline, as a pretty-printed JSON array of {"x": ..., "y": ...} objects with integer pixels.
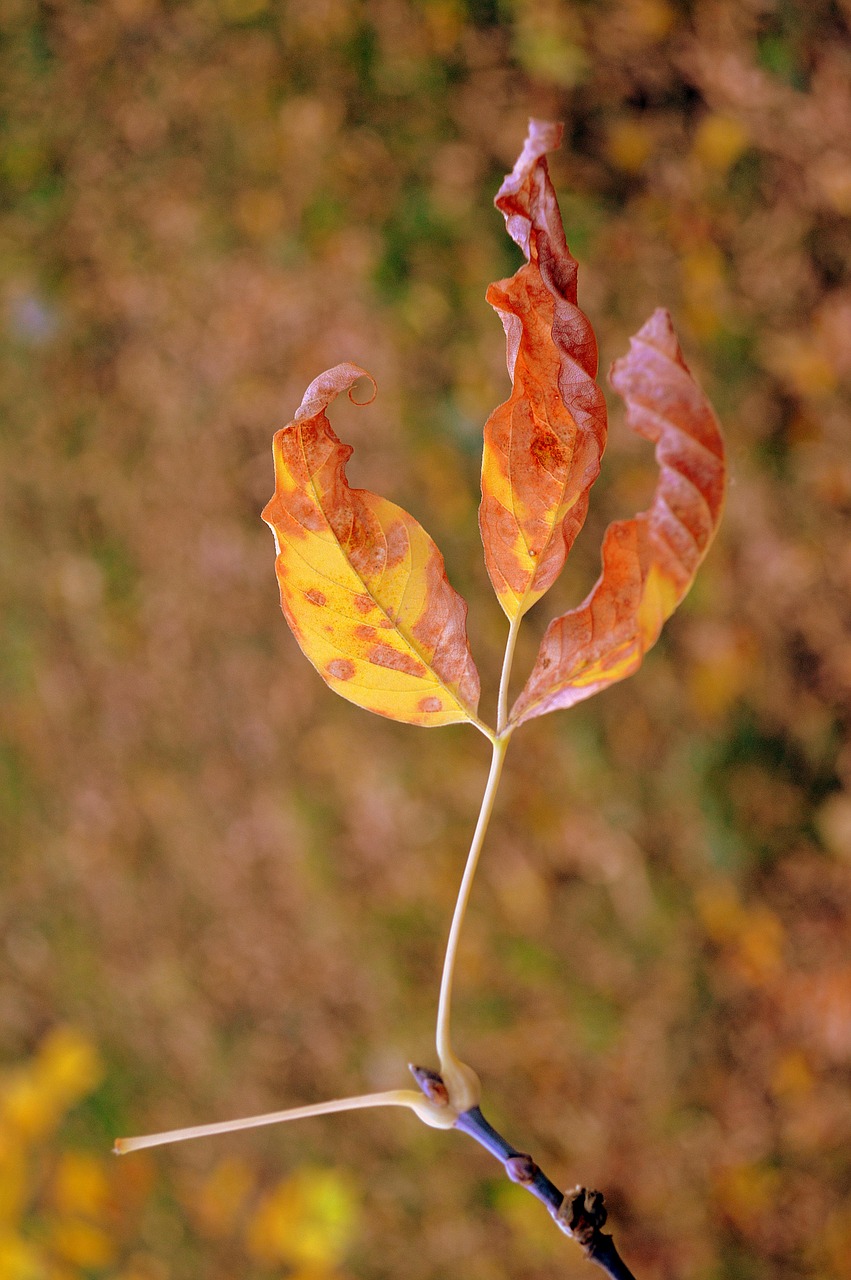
[
  {"x": 719, "y": 141},
  {"x": 651, "y": 19},
  {"x": 445, "y": 22},
  {"x": 33, "y": 1100},
  {"x": 745, "y": 1193},
  {"x": 69, "y": 1214},
  {"x": 752, "y": 936},
  {"x": 81, "y": 1243},
  {"x": 629, "y": 144},
  {"x": 306, "y": 1222},
  {"x": 802, "y": 362},
  {"x": 547, "y": 42},
  {"x": 68, "y": 1065},
  {"x": 80, "y": 1184},
  {"x": 792, "y": 1075},
  {"x": 833, "y": 821},
  {"x": 721, "y": 670},
  {"x": 703, "y": 276},
  {"x": 837, "y": 1244},
  {"x": 18, "y": 1260},
  {"x": 14, "y": 1182},
  {"x": 222, "y": 1195}
]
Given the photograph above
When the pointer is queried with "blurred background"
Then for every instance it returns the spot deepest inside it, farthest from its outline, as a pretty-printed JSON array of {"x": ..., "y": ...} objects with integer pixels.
[{"x": 225, "y": 890}]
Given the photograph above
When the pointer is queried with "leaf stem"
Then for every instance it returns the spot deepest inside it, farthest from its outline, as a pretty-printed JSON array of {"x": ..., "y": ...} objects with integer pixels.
[
  {"x": 460, "y": 1081},
  {"x": 484, "y": 729},
  {"x": 392, "y": 1098},
  {"x": 505, "y": 677}
]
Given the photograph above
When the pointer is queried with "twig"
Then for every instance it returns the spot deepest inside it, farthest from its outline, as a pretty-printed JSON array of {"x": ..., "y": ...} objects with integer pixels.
[{"x": 580, "y": 1213}]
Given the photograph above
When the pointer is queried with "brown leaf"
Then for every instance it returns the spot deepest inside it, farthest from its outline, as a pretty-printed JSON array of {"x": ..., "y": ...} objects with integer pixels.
[
  {"x": 543, "y": 445},
  {"x": 363, "y": 586},
  {"x": 649, "y": 562}
]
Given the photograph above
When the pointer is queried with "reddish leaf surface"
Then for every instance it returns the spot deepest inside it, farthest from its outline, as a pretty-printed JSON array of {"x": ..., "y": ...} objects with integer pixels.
[
  {"x": 649, "y": 562},
  {"x": 543, "y": 445},
  {"x": 363, "y": 586}
]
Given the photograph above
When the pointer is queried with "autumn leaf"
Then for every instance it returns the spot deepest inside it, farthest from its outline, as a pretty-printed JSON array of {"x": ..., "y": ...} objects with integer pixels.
[
  {"x": 543, "y": 445},
  {"x": 649, "y": 562},
  {"x": 363, "y": 586}
]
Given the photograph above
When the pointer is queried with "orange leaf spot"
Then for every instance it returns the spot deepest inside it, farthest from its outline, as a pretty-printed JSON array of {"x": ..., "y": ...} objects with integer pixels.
[{"x": 383, "y": 656}]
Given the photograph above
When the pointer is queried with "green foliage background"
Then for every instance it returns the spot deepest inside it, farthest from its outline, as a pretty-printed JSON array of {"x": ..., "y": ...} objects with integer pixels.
[{"x": 234, "y": 887}]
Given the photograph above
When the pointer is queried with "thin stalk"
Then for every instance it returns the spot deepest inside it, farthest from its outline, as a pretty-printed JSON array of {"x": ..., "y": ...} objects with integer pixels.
[
  {"x": 392, "y": 1098},
  {"x": 443, "y": 1039},
  {"x": 460, "y": 1080},
  {"x": 505, "y": 678}
]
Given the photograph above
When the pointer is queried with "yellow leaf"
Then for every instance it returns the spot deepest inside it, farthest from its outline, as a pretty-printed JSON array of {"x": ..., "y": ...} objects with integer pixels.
[
  {"x": 543, "y": 445},
  {"x": 363, "y": 586}
]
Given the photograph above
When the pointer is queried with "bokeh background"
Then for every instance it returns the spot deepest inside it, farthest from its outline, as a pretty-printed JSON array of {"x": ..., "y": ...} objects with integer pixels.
[{"x": 227, "y": 891}]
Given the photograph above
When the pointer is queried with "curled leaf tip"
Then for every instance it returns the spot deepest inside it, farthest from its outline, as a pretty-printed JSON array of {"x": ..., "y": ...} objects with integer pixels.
[
  {"x": 330, "y": 384},
  {"x": 361, "y": 404}
]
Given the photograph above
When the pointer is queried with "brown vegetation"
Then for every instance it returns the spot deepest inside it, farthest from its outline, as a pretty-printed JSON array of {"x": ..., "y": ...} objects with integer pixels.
[{"x": 237, "y": 887}]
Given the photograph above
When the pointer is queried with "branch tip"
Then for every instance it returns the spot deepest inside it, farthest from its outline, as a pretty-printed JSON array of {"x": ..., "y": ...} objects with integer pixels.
[{"x": 582, "y": 1214}]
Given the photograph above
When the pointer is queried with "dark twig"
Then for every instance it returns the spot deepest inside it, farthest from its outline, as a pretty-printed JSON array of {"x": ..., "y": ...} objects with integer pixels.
[{"x": 579, "y": 1213}]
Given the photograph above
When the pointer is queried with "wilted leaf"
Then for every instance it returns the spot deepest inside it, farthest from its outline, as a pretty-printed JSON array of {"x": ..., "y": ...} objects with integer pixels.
[
  {"x": 543, "y": 445},
  {"x": 363, "y": 586},
  {"x": 649, "y": 562}
]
